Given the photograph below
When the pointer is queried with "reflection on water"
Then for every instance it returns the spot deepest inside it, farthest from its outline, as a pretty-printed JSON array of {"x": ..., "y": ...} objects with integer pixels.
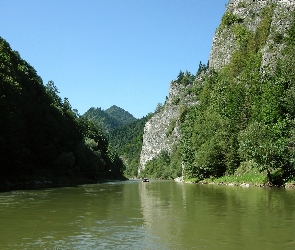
[
  {"x": 220, "y": 217},
  {"x": 154, "y": 215}
]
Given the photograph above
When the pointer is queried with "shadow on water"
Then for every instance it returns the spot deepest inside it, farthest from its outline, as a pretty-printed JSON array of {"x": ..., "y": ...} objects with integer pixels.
[{"x": 41, "y": 186}]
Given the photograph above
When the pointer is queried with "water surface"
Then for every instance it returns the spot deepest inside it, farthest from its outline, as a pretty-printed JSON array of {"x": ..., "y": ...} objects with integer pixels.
[{"x": 154, "y": 215}]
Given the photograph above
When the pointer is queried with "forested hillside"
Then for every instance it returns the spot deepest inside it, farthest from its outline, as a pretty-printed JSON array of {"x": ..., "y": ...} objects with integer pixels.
[
  {"x": 121, "y": 115},
  {"x": 41, "y": 137},
  {"x": 245, "y": 117},
  {"x": 110, "y": 118},
  {"x": 124, "y": 133},
  {"x": 127, "y": 143},
  {"x": 243, "y": 120}
]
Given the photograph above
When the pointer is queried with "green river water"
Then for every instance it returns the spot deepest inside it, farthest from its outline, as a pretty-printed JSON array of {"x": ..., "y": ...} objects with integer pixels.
[{"x": 154, "y": 215}]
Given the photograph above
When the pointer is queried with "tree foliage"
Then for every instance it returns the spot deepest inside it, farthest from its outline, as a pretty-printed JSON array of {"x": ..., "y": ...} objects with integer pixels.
[
  {"x": 127, "y": 142},
  {"x": 110, "y": 118},
  {"x": 244, "y": 114},
  {"x": 40, "y": 133},
  {"x": 185, "y": 78},
  {"x": 164, "y": 166}
]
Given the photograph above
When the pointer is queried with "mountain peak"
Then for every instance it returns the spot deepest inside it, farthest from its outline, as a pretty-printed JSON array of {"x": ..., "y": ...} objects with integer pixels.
[{"x": 110, "y": 118}]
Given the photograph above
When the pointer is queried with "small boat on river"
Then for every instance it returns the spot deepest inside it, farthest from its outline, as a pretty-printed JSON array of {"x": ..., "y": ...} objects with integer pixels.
[{"x": 145, "y": 180}]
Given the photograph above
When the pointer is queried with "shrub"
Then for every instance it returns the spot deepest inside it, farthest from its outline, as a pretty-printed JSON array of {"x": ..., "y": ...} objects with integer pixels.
[{"x": 229, "y": 18}]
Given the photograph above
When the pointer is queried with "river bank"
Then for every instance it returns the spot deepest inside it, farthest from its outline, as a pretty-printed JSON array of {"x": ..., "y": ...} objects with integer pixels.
[
  {"x": 243, "y": 182},
  {"x": 246, "y": 176}
]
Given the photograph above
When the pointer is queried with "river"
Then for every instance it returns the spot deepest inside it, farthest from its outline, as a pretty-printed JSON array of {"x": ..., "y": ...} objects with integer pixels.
[{"x": 154, "y": 215}]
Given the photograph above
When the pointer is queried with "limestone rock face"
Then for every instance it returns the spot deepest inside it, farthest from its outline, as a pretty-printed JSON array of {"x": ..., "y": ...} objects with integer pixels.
[
  {"x": 156, "y": 137},
  {"x": 249, "y": 14}
]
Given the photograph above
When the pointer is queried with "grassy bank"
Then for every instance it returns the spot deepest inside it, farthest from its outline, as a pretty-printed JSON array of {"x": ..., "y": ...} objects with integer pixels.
[{"x": 246, "y": 175}]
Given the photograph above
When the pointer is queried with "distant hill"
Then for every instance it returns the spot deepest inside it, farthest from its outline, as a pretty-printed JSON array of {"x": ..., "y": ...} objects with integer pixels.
[
  {"x": 124, "y": 133},
  {"x": 127, "y": 143},
  {"x": 109, "y": 119},
  {"x": 121, "y": 115}
]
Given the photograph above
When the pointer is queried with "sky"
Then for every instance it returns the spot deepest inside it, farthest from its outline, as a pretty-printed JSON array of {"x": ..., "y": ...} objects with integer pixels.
[{"x": 101, "y": 53}]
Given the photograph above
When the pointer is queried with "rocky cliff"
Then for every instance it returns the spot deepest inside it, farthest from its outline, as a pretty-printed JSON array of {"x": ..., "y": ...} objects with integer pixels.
[
  {"x": 249, "y": 14},
  {"x": 162, "y": 131},
  {"x": 266, "y": 20}
]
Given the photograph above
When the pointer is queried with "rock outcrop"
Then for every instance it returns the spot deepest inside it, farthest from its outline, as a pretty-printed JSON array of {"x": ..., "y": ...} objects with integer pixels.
[
  {"x": 162, "y": 131},
  {"x": 247, "y": 15}
]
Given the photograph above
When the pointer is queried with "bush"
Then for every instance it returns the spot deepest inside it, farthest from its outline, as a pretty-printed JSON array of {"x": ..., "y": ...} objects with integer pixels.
[{"x": 229, "y": 19}]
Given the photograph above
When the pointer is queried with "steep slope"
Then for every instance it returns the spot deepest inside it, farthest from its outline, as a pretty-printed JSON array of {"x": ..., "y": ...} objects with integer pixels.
[
  {"x": 127, "y": 142},
  {"x": 41, "y": 136},
  {"x": 242, "y": 107},
  {"x": 245, "y": 120},
  {"x": 109, "y": 119},
  {"x": 121, "y": 115},
  {"x": 272, "y": 17},
  {"x": 162, "y": 132}
]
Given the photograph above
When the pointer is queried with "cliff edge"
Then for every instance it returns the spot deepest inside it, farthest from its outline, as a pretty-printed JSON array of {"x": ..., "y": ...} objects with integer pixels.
[{"x": 266, "y": 21}]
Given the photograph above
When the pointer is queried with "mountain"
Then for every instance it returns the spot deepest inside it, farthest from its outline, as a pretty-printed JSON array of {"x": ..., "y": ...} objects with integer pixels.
[
  {"x": 236, "y": 116},
  {"x": 124, "y": 134},
  {"x": 127, "y": 143},
  {"x": 122, "y": 116},
  {"x": 109, "y": 119}
]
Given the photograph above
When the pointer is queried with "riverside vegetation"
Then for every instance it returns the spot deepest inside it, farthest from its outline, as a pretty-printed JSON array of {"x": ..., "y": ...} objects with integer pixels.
[
  {"x": 42, "y": 138},
  {"x": 239, "y": 125},
  {"x": 242, "y": 127}
]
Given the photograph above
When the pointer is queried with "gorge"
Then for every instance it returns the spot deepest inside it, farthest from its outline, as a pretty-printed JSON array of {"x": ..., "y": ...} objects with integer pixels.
[{"x": 234, "y": 117}]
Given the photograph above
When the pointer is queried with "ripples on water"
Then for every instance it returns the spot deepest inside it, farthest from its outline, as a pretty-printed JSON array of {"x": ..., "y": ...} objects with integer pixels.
[{"x": 154, "y": 215}]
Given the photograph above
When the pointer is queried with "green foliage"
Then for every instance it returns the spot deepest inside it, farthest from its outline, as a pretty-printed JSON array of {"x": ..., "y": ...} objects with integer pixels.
[
  {"x": 40, "y": 132},
  {"x": 291, "y": 33},
  {"x": 202, "y": 68},
  {"x": 243, "y": 115},
  {"x": 242, "y": 5},
  {"x": 109, "y": 119},
  {"x": 243, "y": 36},
  {"x": 230, "y": 18},
  {"x": 176, "y": 100},
  {"x": 164, "y": 166},
  {"x": 182, "y": 113},
  {"x": 263, "y": 28},
  {"x": 127, "y": 142},
  {"x": 265, "y": 144},
  {"x": 159, "y": 108},
  {"x": 171, "y": 127},
  {"x": 252, "y": 178},
  {"x": 121, "y": 115},
  {"x": 185, "y": 78},
  {"x": 278, "y": 38},
  {"x": 204, "y": 142},
  {"x": 247, "y": 58}
]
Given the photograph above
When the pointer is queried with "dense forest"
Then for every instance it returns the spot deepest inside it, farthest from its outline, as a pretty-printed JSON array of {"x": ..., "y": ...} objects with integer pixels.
[
  {"x": 124, "y": 133},
  {"x": 42, "y": 137},
  {"x": 127, "y": 143},
  {"x": 245, "y": 117},
  {"x": 109, "y": 119}
]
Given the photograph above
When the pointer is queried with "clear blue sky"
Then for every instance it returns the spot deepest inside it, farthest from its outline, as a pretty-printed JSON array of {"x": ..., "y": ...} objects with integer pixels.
[{"x": 101, "y": 53}]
